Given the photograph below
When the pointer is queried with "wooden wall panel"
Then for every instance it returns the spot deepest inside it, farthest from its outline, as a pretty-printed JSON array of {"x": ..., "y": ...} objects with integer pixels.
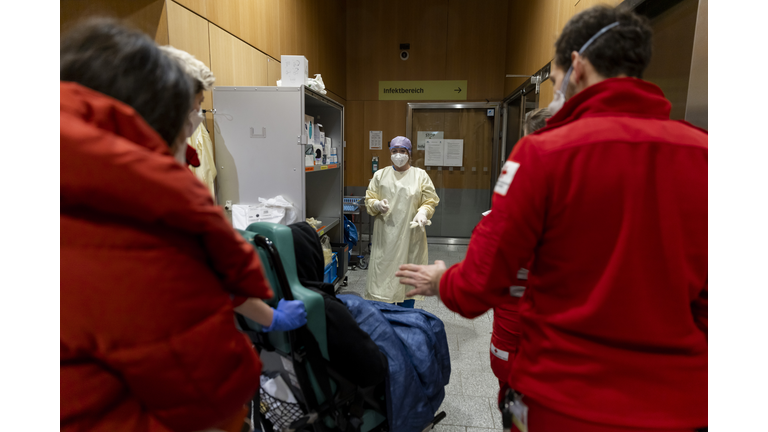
[
  {"x": 385, "y": 116},
  {"x": 148, "y": 16},
  {"x": 337, "y": 98},
  {"x": 518, "y": 43},
  {"x": 374, "y": 38},
  {"x": 234, "y": 62},
  {"x": 332, "y": 45},
  {"x": 298, "y": 31},
  {"x": 189, "y": 32},
  {"x": 199, "y": 7},
  {"x": 356, "y": 171},
  {"x": 477, "y": 46},
  {"x": 273, "y": 71}
]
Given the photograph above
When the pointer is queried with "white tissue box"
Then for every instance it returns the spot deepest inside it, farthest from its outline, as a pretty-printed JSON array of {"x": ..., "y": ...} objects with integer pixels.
[{"x": 294, "y": 71}]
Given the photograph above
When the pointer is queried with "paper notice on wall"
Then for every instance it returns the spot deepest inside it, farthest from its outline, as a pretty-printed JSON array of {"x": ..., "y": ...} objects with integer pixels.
[
  {"x": 374, "y": 140},
  {"x": 423, "y": 136},
  {"x": 434, "y": 154},
  {"x": 454, "y": 152}
]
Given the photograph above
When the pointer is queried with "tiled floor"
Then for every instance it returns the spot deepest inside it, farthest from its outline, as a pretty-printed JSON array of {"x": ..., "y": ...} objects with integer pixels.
[{"x": 470, "y": 400}]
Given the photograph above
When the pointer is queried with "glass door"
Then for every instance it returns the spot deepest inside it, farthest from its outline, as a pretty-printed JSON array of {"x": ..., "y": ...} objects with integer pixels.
[
  {"x": 464, "y": 191},
  {"x": 516, "y": 109}
]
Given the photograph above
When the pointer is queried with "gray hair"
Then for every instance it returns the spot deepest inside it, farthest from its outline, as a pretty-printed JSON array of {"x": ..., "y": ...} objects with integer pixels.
[
  {"x": 536, "y": 120},
  {"x": 196, "y": 69}
]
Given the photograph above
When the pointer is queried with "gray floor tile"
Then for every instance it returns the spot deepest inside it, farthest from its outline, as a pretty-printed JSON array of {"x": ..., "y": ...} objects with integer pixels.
[
  {"x": 453, "y": 342},
  {"x": 441, "y": 312},
  {"x": 482, "y": 384},
  {"x": 449, "y": 428},
  {"x": 467, "y": 411},
  {"x": 464, "y": 321},
  {"x": 495, "y": 413},
  {"x": 477, "y": 343},
  {"x": 470, "y": 361},
  {"x": 482, "y": 325},
  {"x": 471, "y": 429},
  {"x": 454, "y": 387},
  {"x": 460, "y": 328}
]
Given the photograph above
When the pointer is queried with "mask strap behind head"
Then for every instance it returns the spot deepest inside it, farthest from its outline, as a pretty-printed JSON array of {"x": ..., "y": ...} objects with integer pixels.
[{"x": 564, "y": 85}]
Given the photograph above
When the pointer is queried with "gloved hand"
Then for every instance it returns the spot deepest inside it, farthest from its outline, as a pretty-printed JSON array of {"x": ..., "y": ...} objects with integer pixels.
[
  {"x": 382, "y": 206},
  {"x": 289, "y": 315},
  {"x": 421, "y": 220}
]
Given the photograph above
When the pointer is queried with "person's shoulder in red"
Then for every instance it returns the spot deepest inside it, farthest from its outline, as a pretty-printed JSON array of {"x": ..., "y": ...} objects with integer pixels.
[{"x": 616, "y": 109}]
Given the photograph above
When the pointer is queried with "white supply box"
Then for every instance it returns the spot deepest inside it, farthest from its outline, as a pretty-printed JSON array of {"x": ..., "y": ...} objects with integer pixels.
[
  {"x": 309, "y": 130},
  {"x": 294, "y": 71}
]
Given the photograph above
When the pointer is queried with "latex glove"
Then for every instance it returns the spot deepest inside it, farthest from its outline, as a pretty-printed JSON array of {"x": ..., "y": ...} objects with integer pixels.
[
  {"x": 382, "y": 206},
  {"x": 421, "y": 220},
  {"x": 289, "y": 315}
]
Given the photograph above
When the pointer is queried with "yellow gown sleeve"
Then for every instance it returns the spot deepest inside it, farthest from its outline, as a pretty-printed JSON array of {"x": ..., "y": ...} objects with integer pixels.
[
  {"x": 372, "y": 195},
  {"x": 429, "y": 198}
]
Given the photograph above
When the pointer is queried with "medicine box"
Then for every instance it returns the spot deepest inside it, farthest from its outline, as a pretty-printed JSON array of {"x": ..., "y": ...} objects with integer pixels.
[
  {"x": 316, "y": 135},
  {"x": 309, "y": 130},
  {"x": 294, "y": 71},
  {"x": 309, "y": 155}
]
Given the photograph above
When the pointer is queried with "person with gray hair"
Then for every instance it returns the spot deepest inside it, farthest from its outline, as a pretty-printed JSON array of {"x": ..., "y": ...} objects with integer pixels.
[
  {"x": 202, "y": 79},
  {"x": 535, "y": 120}
]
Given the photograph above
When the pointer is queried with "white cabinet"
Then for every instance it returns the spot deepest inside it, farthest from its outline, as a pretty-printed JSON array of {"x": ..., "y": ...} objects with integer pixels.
[{"x": 260, "y": 144}]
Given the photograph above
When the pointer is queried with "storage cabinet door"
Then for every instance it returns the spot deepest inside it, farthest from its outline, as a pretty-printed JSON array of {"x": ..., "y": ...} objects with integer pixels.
[{"x": 257, "y": 147}]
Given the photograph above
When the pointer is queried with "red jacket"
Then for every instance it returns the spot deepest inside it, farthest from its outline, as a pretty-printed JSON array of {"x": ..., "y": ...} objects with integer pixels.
[
  {"x": 148, "y": 263},
  {"x": 611, "y": 201}
]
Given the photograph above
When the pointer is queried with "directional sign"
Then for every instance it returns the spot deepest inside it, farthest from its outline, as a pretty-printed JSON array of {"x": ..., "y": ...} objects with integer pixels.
[{"x": 423, "y": 90}]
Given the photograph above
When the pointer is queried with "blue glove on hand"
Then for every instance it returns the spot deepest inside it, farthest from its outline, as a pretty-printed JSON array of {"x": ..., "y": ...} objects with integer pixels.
[{"x": 289, "y": 315}]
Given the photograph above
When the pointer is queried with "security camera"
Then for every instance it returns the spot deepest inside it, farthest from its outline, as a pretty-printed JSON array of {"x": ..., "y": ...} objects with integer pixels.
[{"x": 404, "y": 55}]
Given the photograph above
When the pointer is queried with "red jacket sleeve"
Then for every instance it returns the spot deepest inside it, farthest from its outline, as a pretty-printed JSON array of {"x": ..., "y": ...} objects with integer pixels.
[
  {"x": 157, "y": 190},
  {"x": 503, "y": 242}
]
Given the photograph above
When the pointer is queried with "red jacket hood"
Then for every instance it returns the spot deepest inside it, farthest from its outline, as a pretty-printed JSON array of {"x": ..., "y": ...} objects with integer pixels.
[
  {"x": 613, "y": 97},
  {"x": 112, "y": 161}
]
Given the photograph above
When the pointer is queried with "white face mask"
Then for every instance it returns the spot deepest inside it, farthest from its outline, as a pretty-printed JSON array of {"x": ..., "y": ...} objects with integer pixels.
[
  {"x": 193, "y": 121},
  {"x": 399, "y": 159},
  {"x": 559, "y": 100}
]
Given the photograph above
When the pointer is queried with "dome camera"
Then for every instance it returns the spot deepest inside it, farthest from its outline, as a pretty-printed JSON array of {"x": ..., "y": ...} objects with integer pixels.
[{"x": 404, "y": 55}]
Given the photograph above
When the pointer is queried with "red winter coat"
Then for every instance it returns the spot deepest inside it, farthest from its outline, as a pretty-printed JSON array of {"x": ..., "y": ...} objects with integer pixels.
[
  {"x": 148, "y": 263},
  {"x": 611, "y": 201}
]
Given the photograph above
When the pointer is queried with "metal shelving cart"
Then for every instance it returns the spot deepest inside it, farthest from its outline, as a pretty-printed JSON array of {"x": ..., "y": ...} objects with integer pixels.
[
  {"x": 260, "y": 143},
  {"x": 354, "y": 206}
]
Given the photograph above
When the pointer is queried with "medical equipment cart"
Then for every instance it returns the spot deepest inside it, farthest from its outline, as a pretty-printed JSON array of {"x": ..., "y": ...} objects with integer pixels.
[{"x": 260, "y": 142}]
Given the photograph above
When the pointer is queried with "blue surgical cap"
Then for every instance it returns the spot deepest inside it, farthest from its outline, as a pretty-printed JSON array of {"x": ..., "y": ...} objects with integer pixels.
[{"x": 401, "y": 141}]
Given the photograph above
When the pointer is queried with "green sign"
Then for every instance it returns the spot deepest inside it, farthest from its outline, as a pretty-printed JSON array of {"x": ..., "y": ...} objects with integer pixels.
[{"x": 423, "y": 90}]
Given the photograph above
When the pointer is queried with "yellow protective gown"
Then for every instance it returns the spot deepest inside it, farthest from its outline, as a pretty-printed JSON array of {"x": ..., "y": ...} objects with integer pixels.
[
  {"x": 394, "y": 241},
  {"x": 206, "y": 172}
]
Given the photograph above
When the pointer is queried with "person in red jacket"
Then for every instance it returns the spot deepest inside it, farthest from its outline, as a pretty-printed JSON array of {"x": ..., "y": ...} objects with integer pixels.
[
  {"x": 149, "y": 264},
  {"x": 505, "y": 338},
  {"x": 610, "y": 202}
]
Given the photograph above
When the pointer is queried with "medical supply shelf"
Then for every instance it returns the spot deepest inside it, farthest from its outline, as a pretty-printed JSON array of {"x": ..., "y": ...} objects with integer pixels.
[
  {"x": 260, "y": 142},
  {"x": 355, "y": 206},
  {"x": 317, "y": 168},
  {"x": 327, "y": 225}
]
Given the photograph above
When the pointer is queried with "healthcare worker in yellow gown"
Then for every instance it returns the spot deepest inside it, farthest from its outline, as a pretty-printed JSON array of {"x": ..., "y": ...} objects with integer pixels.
[{"x": 403, "y": 199}]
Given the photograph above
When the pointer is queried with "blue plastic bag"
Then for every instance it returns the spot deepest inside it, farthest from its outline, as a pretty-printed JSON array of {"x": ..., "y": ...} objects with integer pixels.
[{"x": 350, "y": 235}]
